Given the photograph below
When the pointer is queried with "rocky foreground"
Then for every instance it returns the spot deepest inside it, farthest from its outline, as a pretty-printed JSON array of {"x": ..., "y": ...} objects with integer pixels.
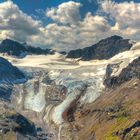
[{"x": 116, "y": 114}]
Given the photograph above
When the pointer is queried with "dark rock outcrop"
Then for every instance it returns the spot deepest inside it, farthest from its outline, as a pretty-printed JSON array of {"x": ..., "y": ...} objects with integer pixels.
[
  {"x": 5, "y": 91},
  {"x": 20, "y": 128},
  {"x": 129, "y": 129},
  {"x": 9, "y": 73},
  {"x": 20, "y": 50},
  {"x": 128, "y": 73},
  {"x": 12, "y": 47},
  {"x": 104, "y": 49},
  {"x": 24, "y": 126}
]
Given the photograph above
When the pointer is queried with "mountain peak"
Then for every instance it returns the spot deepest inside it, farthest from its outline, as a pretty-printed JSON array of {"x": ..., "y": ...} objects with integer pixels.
[
  {"x": 104, "y": 49},
  {"x": 18, "y": 49},
  {"x": 115, "y": 37},
  {"x": 8, "y": 41}
]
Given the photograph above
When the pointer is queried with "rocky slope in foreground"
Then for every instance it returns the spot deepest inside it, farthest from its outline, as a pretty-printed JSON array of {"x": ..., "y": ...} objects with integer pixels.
[
  {"x": 13, "y": 125},
  {"x": 115, "y": 115},
  {"x": 104, "y": 49}
]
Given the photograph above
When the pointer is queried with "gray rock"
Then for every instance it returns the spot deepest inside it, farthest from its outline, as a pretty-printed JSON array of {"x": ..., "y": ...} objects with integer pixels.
[
  {"x": 104, "y": 49},
  {"x": 131, "y": 71}
]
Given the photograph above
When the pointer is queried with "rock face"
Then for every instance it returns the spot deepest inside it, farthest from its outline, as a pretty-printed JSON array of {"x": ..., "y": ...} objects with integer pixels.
[
  {"x": 113, "y": 116},
  {"x": 20, "y": 50},
  {"x": 14, "y": 126},
  {"x": 104, "y": 49},
  {"x": 128, "y": 73},
  {"x": 9, "y": 75}
]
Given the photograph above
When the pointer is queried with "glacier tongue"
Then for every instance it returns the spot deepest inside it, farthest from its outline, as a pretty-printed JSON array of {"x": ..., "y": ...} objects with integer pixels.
[
  {"x": 57, "y": 91},
  {"x": 60, "y": 112}
]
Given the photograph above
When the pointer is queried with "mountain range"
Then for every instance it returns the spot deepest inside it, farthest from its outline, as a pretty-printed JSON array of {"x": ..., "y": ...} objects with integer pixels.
[
  {"x": 104, "y": 49},
  {"x": 60, "y": 98}
]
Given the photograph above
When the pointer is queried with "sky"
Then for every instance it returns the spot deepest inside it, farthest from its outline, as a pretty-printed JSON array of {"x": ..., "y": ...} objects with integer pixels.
[{"x": 67, "y": 25}]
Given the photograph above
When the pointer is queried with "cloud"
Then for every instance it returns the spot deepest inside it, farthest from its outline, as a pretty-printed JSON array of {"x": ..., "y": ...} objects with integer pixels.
[
  {"x": 112, "y": 18},
  {"x": 68, "y": 30},
  {"x": 88, "y": 31},
  {"x": 126, "y": 17},
  {"x": 74, "y": 32},
  {"x": 15, "y": 24},
  {"x": 66, "y": 13}
]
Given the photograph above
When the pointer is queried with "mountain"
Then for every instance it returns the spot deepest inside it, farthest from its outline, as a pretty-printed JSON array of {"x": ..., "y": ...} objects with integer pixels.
[
  {"x": 115, "y": 114},
  {"x": 9, "y": 73},
  {"x": 92, "y": 100},
  {"x": 128, "y": 73},
  {"x": 20, "y": 50},
  {"x": 104, "y": 49}
]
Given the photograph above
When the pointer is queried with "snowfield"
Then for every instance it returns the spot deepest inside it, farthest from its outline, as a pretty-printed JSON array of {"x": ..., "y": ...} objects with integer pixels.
[{"x": 73, "y": 74}]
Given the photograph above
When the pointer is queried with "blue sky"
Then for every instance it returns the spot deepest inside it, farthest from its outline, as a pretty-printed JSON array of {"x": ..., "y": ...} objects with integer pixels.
[{"x": 67, "y": 25}]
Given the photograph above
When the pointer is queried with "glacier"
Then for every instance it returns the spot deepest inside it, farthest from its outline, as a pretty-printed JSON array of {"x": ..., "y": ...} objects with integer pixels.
[{"x": 56, "y": 84}]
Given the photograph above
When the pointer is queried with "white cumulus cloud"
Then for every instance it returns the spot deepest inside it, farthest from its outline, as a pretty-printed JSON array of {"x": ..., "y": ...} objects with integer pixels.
[
  {"x": 126, "y": 16},
  {"x": 15, "y": 24},
  {"x": 67, "y": 13},
  {"x": 68, "y": 30}
]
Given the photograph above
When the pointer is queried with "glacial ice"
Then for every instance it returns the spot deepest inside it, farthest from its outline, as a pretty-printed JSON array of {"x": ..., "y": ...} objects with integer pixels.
[{"x": 71, "y": 74}]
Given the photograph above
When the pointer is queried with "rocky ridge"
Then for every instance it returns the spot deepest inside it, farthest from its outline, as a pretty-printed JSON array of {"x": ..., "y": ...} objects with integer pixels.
[
  {"x": 104, "y": 49},
  {"x": 128, "y": 73},
  {"x": 17, "y": 49},
  {"x": 9, "y": 75}
]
